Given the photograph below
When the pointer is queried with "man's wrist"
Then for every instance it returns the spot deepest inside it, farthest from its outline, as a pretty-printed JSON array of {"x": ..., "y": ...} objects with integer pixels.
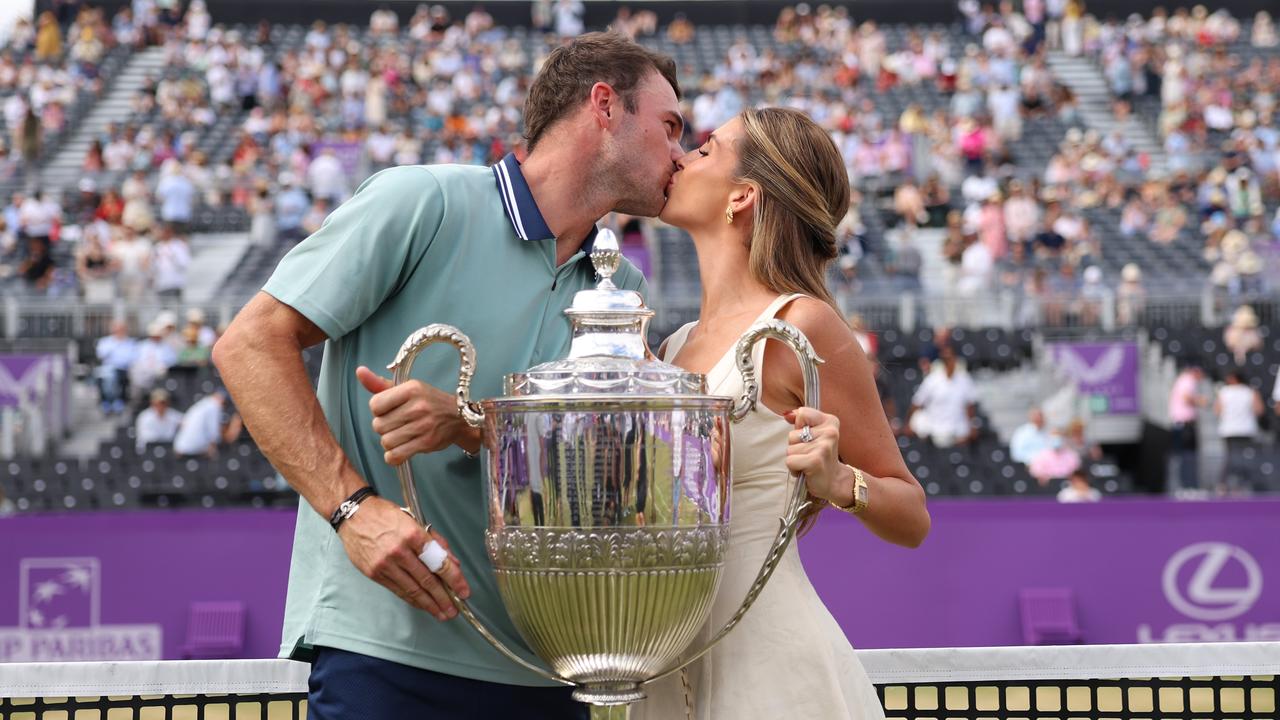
[{"x": 471, "y": 441}]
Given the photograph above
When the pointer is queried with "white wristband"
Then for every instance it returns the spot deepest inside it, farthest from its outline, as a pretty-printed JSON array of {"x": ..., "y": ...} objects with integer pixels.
[{"x": 433, "y": 556}]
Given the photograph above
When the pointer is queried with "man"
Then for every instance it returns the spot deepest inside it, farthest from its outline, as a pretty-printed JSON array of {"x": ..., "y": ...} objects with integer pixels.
[
  {"x": 945, "y": 405},
  {"x": 202, "y": 428},
  {"x": 159, "y": 422},
  {"x": 176, "y": 195},
  {"x": 116, "y": 353},
  {"x": 1029, "y": 439},
  {"x": 498, "y": 252}
]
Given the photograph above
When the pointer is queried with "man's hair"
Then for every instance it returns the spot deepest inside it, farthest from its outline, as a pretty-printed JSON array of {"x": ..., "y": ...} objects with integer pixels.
[{"x": 571, "y": 70}]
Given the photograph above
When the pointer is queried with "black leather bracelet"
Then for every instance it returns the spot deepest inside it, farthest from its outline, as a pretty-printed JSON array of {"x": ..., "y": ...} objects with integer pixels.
[{"x": 349, "y": 506}]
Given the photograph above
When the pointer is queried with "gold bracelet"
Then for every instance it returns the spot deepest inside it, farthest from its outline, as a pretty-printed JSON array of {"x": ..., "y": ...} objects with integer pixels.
[{"x": 860, "y": 494}]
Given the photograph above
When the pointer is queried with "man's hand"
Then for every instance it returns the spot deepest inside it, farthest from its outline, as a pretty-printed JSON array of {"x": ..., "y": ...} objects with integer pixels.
[
  {"x": 383, "y": 542},
  {"x": 414, "y": 417}
]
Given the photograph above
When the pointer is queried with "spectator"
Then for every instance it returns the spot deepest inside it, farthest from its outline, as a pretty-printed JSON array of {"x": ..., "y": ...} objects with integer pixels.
[
  {"x": 944, "y": 407},
  {"x": 1029, "y": 439},
  {"x": 1131, "y": 297},
  {"x": 315, "y": 216},
  {"x": 680, "y": 31},
  {"x": 328, "y": 179},
  {"x": 193, "y": 354},
  {"x": 1185, "y": 401},
  {"x": 132, "y": 257},
  {"x": 158, "y": 423},
  {"x": 153, "y": 359},
  {"x": 1055, "y": 462},
  {"x": 196, "y": 319},
  {"x": 1275, "y": 395},
  {"x": 170, "y": 258},
  {"x": 1264, "y": 31},
  {"x": 568, "y": 14},
  {"x": 908, "y": 203},
  {"x": 116, "y": 353},
  {"x": 1238, "y": 408},
  {"x": 291, "y": 207},
  {"x": 1078, "y": 489},
  {"x": 95, "y": 267},
  {"x": 48, "y": 38},
  {"x": 203, "y": 428},
  {"x": 177, "y": 196},
  {"x": 1241, "y": 337},
  {"x": 37, "y": 268},
  {"x": 905, "y": 264},
  {"x": 37, "y": 217}
]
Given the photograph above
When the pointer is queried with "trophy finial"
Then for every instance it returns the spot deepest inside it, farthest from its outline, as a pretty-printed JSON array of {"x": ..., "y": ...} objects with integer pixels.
[{"x": 606, "y": 257}]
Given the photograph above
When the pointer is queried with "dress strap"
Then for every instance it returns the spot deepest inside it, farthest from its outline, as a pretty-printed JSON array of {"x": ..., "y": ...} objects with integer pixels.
[
  {"x": 677, "y": 341},
  {"x": 776, "y": 306}
]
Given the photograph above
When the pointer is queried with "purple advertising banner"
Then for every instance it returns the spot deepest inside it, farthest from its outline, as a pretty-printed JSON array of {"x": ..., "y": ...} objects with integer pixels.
[
  {"x": 1105, "y": 372},
  {"x": 348, "y": 153},
  {"x": 109, "y": 585}
]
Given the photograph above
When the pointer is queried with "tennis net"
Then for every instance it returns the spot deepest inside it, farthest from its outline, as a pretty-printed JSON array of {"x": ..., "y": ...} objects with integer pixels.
[{"x": 1099, "y": 682}]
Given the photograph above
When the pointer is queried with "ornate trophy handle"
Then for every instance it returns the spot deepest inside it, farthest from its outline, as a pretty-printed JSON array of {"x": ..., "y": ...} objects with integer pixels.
[
  {"x": 474, "y": 416},
  {"x": 790, "y": 521},
  {"x": 429, "y": 335}
]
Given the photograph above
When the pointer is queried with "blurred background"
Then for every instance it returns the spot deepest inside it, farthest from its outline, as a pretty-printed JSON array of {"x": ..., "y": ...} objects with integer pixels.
[{"x": 1064, "y": 253}]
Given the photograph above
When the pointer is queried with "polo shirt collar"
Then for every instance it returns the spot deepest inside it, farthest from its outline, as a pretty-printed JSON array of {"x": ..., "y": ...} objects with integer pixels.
[{"x": 526, "y": 219}]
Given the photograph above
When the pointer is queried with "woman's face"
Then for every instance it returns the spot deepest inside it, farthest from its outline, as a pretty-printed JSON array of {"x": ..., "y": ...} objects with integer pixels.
[{"x": 702, "y": 187}]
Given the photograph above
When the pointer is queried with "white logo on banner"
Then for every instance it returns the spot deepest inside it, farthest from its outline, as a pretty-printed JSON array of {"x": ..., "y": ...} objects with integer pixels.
[
  {"x": 1202, "y": 597},
  {"x": 59, "y": 603},
  {"x": 1106, "y": 367}
]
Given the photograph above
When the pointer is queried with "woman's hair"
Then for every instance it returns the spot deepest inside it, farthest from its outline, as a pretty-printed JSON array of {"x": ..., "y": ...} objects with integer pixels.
[{"x": 802, "y": 195}]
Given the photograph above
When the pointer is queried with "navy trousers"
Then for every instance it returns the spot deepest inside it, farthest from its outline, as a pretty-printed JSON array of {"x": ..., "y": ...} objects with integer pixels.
[{"x": 349, "y": 686}]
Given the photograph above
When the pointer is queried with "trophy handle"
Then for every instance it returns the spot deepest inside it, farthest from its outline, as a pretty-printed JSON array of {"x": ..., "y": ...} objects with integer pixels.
[
  {"x": 790, "y": 521},
  {"x": 474, "y": 416},
  {"x": 429, "y": 335}
]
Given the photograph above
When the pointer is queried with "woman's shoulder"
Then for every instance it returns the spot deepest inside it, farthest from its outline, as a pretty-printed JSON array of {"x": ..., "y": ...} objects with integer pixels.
[{"x": 815, "y": 318}]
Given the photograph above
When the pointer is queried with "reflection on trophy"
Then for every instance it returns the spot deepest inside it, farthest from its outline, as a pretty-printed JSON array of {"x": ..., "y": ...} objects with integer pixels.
[{"x": 609, "y": 493}]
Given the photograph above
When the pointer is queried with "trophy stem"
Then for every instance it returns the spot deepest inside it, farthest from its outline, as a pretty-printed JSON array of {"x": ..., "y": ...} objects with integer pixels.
[{"x": 610, "y": 712}]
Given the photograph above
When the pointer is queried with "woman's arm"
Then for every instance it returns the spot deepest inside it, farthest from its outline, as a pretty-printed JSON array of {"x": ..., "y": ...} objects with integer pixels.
[{"x": 855, "y": 432}]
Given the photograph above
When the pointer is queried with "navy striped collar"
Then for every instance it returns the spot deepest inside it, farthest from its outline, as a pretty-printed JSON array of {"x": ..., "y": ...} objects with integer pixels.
[{"x": 526, "y": 219}]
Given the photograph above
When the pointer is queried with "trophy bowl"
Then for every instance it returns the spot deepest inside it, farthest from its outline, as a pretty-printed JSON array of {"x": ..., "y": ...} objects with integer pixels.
[{"x": 608, "y": 485}]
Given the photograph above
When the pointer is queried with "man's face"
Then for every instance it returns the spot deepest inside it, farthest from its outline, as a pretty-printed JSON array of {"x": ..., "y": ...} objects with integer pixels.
[{"x": 642, "y": 151}]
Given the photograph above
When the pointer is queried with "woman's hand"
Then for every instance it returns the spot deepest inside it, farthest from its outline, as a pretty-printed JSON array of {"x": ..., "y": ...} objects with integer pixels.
[{"x": 818, "y": 456}]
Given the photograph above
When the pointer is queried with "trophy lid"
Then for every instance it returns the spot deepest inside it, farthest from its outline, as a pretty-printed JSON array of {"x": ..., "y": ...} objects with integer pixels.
[{"x": 609, "y": 353}]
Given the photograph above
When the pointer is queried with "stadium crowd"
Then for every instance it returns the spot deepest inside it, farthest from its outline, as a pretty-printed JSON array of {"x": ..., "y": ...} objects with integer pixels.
[{"x": 933, "y": 123}]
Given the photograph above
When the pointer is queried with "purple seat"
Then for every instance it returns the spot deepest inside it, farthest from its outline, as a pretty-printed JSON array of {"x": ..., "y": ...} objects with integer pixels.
[
  {"x": 1049, "y": 617},
  {"x": 215, "y": 630}
]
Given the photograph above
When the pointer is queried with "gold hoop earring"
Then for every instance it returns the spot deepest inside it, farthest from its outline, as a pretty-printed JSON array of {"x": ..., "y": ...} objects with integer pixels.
[{"x": 728, "y": 214}]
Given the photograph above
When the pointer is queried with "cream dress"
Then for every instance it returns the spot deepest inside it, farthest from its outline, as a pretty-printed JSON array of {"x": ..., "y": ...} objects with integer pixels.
[{"x": 788, "y": 658}]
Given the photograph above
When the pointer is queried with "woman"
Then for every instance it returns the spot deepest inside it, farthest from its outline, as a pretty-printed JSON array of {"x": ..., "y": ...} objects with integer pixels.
[{"x": 761, "y": 200}]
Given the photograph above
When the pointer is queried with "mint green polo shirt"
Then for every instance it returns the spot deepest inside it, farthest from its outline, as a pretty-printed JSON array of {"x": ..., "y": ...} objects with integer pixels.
[{"x": 454, "y": 244}]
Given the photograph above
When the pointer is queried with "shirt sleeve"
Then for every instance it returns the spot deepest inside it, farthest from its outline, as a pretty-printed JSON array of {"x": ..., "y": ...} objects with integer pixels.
[
  {"x": 923, "y": 393},
  {"x": 364, "y": 251},
  {"x": 629, "y": 277}
]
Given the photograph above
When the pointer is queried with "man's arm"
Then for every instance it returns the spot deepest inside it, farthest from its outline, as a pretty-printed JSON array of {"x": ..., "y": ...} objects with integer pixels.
[{"x": 260, "y": 359}]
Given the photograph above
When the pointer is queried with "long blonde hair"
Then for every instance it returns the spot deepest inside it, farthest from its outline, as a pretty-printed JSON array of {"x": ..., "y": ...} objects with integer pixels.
[{"x": 802, "y": 195}]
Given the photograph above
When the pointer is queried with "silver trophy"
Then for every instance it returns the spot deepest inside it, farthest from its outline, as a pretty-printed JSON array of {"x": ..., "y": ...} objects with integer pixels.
[{"x": 608, "y": 492}]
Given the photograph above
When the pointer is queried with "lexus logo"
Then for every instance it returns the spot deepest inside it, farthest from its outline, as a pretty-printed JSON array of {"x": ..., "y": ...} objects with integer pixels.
[{"x": 1202, "y": 597}]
